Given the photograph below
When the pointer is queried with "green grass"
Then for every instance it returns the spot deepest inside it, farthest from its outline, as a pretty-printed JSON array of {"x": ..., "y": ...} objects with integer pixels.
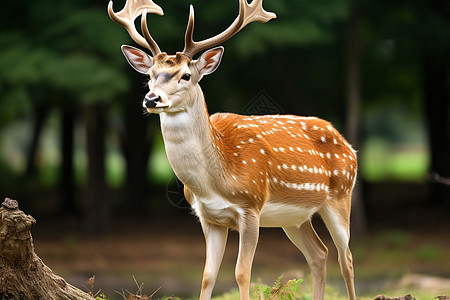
[
  {"x": 284, "y": 290},
  {"x": 294, "y": 289},
  {"x": 303, "y": 292}
]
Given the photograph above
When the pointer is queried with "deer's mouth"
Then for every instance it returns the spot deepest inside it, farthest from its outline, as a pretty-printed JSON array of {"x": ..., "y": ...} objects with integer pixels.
[{"x": 158, "y": 109}]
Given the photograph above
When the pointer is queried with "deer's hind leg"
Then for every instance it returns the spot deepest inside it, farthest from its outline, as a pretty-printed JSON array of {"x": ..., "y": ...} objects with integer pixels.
[
  {"x": 308, "y": 242},
  {"x": 337, "y": 220}
]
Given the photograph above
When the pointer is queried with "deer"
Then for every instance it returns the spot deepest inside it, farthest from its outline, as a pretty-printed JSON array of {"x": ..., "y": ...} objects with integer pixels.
[{"x": 243, "y": 172}]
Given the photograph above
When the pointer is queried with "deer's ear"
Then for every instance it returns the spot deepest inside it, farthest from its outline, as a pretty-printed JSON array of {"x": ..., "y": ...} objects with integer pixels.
[
  {"x": 137, "y": 58},
  {"x": 210, "y": 60}
]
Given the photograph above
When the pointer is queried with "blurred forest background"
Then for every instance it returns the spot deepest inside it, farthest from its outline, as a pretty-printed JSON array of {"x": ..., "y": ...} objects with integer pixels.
[{"x": 76, "y": 147}]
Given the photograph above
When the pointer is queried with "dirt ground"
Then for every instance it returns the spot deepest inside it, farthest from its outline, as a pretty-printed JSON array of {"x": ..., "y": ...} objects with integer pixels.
[{"x": 168, "y": 251}]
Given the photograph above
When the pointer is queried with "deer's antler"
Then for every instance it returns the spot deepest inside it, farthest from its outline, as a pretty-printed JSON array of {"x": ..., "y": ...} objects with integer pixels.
[
  {"x": 126, "y": 17},
  {"x": 253, "y": 12}
]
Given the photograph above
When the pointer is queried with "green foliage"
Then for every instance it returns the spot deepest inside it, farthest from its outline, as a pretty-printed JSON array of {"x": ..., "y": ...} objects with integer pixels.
[
  {"x": 59, "y": 52},
  {"x": 287, "y": 291},
  {"x": 298, "y": 23},
  {"x": 380, "y": 161}
]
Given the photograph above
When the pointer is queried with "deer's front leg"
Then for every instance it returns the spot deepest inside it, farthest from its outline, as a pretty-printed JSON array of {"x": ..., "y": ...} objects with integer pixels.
[
  {"x": 248, "y": 239},
  {"x": 216, "y": 238}
]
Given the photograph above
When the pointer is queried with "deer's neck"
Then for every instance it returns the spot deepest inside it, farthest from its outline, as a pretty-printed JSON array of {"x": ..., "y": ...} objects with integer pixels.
[{"x": 190, "y": 144}]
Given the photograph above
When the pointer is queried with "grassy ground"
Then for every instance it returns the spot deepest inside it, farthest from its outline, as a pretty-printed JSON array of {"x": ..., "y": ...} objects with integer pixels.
[
  {"x": 279, "y": 290},
  {"x": 169, "y": 254}
]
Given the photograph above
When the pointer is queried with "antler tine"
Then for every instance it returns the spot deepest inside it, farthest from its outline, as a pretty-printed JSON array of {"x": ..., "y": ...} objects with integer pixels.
[
  {"x": 151, "y": 42},
  {"x": 253, "y": 12},
  {"x": 126, "y": 17}
]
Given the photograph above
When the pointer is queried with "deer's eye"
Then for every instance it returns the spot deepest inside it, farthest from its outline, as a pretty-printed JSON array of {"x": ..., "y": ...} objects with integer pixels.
[{"x": 186, "y": 77}]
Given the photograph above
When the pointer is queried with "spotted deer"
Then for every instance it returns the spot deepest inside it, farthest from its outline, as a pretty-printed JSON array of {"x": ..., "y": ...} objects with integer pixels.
[{"x": 244, "y": 172}]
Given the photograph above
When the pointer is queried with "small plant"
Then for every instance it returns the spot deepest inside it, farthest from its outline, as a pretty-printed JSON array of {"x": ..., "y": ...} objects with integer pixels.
[
  {"x": 138, "y": 295},
  {"x": 278, "y": 291},
  {"x": 90, "y": 287}
]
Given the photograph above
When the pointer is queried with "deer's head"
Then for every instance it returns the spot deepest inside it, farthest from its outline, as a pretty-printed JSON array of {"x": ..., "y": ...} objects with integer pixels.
[{"x": 174, "y": 78}]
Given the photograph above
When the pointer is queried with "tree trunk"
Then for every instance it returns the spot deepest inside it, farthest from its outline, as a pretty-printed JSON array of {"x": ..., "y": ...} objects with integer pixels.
[
  {"x": 352, "y": 126},
  {"x": 136, "y": 145},
  {"x": 67, "y": 187},
  {"x": 23, "y": 275},
  {"x": 437, "y": 109},
  {"x": 436, "y": 76},
  {"x": 97, "y": 206},
  {"x": 40, "y": 115}
]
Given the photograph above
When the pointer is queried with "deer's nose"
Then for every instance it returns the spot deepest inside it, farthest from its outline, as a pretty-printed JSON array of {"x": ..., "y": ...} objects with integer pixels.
[{"x": 151, "y": 100}]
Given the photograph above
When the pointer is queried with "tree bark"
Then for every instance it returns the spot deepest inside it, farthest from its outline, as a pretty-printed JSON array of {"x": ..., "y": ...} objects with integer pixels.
[
  {"x": 352, "y": 126},
  {"x": 136, "y": 146},
  {"x": 67, "y": 186},
  {"x": 436, "y": 75},
  {"x": 437, "y": 108},
  {"x": 23, "y": 275},
  {"x": 97, "y": 207},
  {"x": 40, "y": 116}
]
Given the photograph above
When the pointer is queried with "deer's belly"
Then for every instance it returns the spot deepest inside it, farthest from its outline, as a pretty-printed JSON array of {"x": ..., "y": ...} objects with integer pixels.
[
  {"x": 219, "y": 211},
  {"x": 274, "y": 214}
]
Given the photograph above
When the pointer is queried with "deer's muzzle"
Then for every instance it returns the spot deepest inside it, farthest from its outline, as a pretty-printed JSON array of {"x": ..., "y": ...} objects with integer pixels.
[{"x": 151, "y": 100}]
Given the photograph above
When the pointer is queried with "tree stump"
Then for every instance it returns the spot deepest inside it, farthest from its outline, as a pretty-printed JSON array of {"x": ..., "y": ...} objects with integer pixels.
[{"x": 23, "y": 275}]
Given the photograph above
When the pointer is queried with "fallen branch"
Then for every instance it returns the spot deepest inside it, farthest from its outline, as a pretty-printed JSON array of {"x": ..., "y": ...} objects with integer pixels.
[
  {"x": 23, "y": 275},
  {"x": 406, "y": 297},
  {"x": 437, "y": 178}
]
